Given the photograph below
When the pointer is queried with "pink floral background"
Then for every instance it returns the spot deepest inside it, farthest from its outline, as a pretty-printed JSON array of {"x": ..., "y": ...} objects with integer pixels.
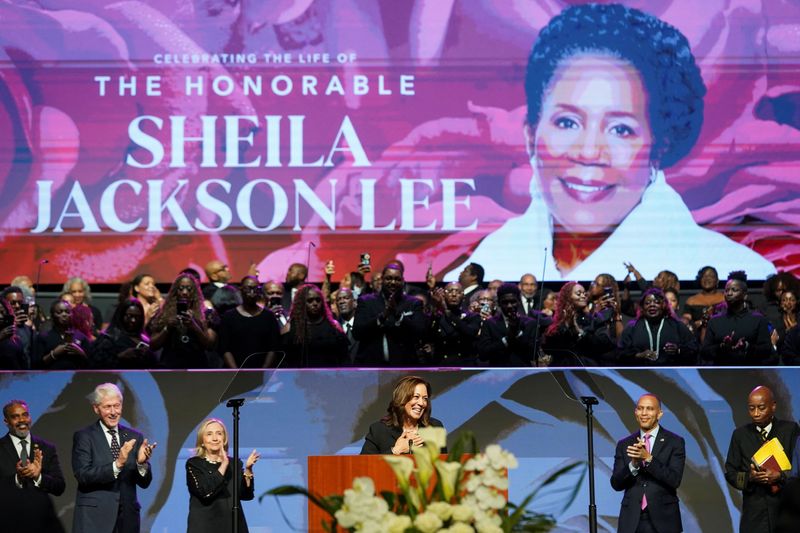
[{"x": 465, "y": 121}]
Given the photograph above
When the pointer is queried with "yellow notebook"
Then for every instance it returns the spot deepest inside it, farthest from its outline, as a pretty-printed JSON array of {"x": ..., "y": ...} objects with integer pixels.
[{"x": 772, "y": 457}]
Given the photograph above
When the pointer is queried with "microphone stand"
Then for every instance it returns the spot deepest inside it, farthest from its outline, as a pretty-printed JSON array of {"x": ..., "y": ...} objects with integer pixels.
[
  {"x": 308, "y": 256},
  {"x": 235, "y": 404},
  {"x": 535, "y": 358},
  {"x": 39, "y": 274},
  {"x": 35, "y": 349},
  {"x": 588, "y": 402}
]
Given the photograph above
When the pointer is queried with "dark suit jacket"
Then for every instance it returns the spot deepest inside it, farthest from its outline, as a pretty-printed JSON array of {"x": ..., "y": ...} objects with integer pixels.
[
  {"x": 352, "y": 343},
  {"x": 403, "y": 331},
  {"x": 659, "y": 481},
  {"x": 534, "y": 310},
  {"x": 100, "y": 496},
  {"x": 287, "y": 296},
  {"x": 752, "y": 327},
  {"x": 29, "y": 509},
  {"x": 380, "y": 438},
  {"x": 789, "y": 510},
  {"x": 455, "y": 336},
  {"x": 790, "y": 348},
  {"x": 495, "y": 346},
  {"x": 759, "y": 505},
  {"x": 635, "y": 339},
  {"x": 592, "y": 348}
]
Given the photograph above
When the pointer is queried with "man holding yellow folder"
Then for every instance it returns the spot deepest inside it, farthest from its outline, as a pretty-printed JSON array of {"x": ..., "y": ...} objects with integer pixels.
[{"x": 757, "y": 465}]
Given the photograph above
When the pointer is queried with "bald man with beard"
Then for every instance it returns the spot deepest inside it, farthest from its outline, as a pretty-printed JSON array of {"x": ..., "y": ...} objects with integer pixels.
[{"x": 760, "y": 504}]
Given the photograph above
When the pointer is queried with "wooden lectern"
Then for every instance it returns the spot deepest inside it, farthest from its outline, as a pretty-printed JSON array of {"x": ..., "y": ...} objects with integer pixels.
[{"x": 332, "y": 474}]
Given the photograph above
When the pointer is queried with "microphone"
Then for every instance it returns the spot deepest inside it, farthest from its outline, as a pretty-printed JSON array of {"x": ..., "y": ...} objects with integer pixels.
[
  {"x": 410, "y": 444},
  {"x": 39, "y": 273},
  {"x": 308, "y": 257}
]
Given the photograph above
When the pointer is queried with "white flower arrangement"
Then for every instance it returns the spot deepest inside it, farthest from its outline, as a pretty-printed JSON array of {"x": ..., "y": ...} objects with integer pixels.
[{"x": 435, "y": 495}]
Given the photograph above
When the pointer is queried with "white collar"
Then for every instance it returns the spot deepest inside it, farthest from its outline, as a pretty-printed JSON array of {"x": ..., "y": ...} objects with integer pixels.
[
  {"x": 660, "y": 208},
  {"x": 653, "y": 434},
  {"x": 471, "y": 288},
  {"x": 106, "y": 429},
  {"x": 16, "y": 440}
]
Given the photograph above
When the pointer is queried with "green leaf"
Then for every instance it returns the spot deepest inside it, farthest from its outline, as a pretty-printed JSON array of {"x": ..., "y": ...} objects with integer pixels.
[
  {"x": 520, "y": 510},
  {"x": 326, "y": 504},
  {"x": 556, "y": 475},
  {"x": 390, "y": 498},
  {"x": 575, "y": 489},
  {"x": 465, "y": 443}
]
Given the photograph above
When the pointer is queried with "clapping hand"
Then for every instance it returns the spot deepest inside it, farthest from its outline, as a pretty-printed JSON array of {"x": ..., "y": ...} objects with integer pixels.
[
  {"x": 437, "y": 295},
  {"x": 671, "y": 348},
  {"x": 650, "y": 355},
  {"x": 638, "y": 452},
  {"x": 513, "y": 325},
  {"x": 8, "y": 332},
  {"x": 225, "y": 460},
  {"x": 124, "y": 451},
  {"x": 727, "y": 341},
  {"x": 32, "y": 469},
  {"x": 251, "y": 459},
  {"x": 729, "y": 344},
  {"x": 430, "y": 279},
  {"x": 543, "y": 359},
  {"x": 145, "y": 451}
]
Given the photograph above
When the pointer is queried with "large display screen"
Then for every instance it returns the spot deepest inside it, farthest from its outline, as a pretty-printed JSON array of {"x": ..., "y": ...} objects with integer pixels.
[{"x": 147, "y": 136}]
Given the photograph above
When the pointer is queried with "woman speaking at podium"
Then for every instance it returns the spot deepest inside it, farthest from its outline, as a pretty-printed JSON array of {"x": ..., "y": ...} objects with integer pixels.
[{"x": 408, "y": 411}]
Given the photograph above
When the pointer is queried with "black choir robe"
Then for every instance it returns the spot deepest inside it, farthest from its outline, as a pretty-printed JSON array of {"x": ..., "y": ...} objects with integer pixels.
[
  {"x": 759, "y": 506},
  {"x": 635, "y": 339}
]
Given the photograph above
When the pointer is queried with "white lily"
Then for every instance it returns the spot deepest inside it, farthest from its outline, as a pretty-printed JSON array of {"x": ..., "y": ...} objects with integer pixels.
[
  {"x": 402, "y": 467},
  {"x": 435, "y": 435},
  {"x": 448, "y": 475}
]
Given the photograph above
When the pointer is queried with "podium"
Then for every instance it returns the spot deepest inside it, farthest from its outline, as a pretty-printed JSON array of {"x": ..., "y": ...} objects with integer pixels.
[{"x": 332, "y": 474}]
